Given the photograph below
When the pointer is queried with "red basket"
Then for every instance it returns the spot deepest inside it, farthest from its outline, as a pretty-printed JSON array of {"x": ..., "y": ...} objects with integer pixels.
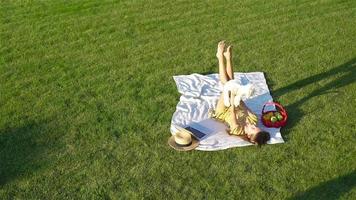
[{"x": 280, "y": 109}]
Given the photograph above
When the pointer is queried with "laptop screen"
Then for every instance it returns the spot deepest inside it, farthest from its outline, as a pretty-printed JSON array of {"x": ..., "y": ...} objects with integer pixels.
[{"x": 198, "y": 134}]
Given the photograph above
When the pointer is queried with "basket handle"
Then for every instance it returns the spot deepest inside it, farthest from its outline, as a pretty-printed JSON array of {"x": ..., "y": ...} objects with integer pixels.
[{"x": 273, "y": 103}]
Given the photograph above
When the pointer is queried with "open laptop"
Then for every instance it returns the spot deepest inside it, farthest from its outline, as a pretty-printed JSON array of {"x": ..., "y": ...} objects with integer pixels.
[{"x": 200, "y": 130}]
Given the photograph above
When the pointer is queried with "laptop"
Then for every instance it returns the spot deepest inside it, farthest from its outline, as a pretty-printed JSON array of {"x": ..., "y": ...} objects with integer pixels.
[{"x": 200, "y": 130}]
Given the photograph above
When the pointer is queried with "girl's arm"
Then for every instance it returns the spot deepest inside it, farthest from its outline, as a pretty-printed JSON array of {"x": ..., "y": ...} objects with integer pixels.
[
  {"x": 243, "y": 105},
  {"x": 252, "y": 117},
  {"x": 233, "y": 112}
]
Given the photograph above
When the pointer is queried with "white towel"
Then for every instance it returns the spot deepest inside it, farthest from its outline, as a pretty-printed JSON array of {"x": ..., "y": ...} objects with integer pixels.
[{"x": 201, "y": 92}]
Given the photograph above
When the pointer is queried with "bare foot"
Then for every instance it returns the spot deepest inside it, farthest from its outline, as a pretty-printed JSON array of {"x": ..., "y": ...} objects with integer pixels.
[
  {"x": 227, "y": 53},
  {"x": 220, "y": 51}
]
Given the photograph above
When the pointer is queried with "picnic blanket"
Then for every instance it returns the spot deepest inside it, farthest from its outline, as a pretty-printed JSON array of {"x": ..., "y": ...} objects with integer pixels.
[{"x": 199, "y": 93}]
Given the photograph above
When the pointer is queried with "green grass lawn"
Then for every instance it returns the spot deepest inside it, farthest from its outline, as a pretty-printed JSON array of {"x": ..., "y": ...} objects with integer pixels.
[{"x": 87, "y": 96}]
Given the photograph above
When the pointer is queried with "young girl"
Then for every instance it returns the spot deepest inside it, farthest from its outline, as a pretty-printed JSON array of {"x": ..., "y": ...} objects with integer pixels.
[{"x": 241, "y": 120}]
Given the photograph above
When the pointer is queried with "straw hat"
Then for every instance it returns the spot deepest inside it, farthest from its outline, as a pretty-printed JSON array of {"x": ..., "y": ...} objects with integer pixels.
[{"x": 183, "y": 141}]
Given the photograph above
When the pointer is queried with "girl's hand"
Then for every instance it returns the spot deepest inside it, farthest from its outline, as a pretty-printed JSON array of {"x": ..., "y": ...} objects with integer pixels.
[
  {"x": 232, "y": 99},
  {"x": 228, "y": 130}
]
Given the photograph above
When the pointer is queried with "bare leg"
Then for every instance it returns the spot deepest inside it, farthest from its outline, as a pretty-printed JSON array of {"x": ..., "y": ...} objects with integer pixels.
[
  {"x": 222, "y": 71},
  {"x": 220, "y": 106},
  {"x": 228, "y": 57}
]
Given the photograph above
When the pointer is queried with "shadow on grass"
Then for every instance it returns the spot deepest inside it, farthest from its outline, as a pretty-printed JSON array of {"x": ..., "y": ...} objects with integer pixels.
[
  {"x": 208, "y": 72},
  {"x": 348, "y": 76},
  {"x": 24, "y": 150},
  {"x": 331, "y": 189}
]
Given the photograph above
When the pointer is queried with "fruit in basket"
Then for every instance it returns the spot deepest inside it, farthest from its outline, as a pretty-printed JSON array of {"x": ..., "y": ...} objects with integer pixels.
[
  {"x": 274, "y": 119},
  {"x": 266, "y": 117},
  {"x": 279, "y": 116}
]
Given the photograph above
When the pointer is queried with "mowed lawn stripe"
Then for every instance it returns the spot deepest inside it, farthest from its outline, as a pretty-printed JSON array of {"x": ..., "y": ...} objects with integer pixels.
[{"x": 87, "y": 95}]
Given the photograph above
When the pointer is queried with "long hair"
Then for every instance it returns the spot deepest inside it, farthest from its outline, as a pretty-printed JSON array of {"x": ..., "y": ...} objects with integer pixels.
[{"x": 262, "y": 137}]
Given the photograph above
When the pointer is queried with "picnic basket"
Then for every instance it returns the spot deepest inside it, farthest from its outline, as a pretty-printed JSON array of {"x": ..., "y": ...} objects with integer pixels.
[{"x": 280, "y": 109}]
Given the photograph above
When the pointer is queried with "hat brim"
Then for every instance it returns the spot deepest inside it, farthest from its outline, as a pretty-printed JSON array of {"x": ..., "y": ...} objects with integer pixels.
[{"x": 174, "y": 145}]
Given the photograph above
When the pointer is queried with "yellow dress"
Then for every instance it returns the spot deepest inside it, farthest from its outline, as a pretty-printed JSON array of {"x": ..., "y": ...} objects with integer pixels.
[{"x": 243, "y": 116}]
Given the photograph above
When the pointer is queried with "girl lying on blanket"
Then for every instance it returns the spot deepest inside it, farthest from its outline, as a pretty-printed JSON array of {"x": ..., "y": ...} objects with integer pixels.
[{"x": 241, "y": 120}]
